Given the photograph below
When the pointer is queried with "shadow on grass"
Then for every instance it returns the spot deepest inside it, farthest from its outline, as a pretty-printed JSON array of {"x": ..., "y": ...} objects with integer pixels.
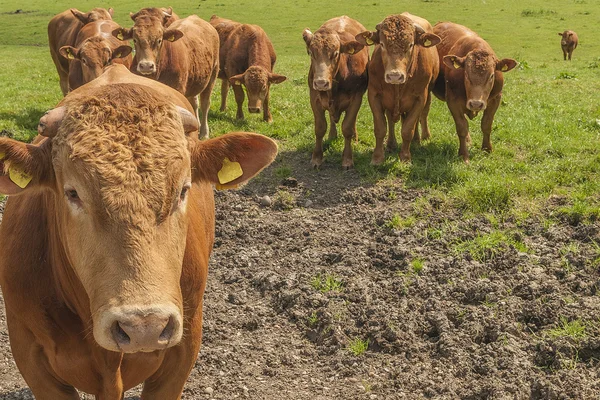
[{"x": 28, "y": 119}]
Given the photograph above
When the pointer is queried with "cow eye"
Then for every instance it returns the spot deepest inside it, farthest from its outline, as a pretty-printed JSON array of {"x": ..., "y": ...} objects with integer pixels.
[
  {"x": 73, "y": 197},
  {"x": 184, "y": 192},
  {"x": 83, "y": 61},
  {"x": 134, "y": 41},
  {"x": 336, "y": 54},
  {"x": 159, "y": 41},
  {"x": 492, "y": 76}
]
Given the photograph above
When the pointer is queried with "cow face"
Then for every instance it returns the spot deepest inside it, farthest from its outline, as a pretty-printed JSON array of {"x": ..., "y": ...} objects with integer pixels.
[
  {"x": 97, "y": 14},
  {"x": 257, "y": 81},
  {"x": 94, "y": 54},
  {"x": 480, "y": 71},
  {"x": 325, "y": 48},
  {"x": 148, "y": 36},
  {"x": 124, "y": 177},
  {"x": 567, "y": 38},
  {"x": 397, "y": 37}
]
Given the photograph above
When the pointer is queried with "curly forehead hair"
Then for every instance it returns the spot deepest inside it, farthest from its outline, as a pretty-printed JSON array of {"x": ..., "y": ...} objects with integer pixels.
[
  {"x": 325, "y": 39},
  {"x": 256, "y": 75},
  {"x": 481, "y": 60},
  {"x": 398, "y": 31}
]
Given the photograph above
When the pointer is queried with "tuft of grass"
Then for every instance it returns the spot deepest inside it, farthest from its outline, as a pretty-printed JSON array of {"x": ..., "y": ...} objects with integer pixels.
[
  {"x": 486, "y": 247},
  {"x": 358, "y": 346},
  {"x": 283, "y": 172},
  {"x": 574, "y": 329},
  {"x": 582, "y": 210},
  {"x": 313, "y": 319},
  {"x": 397, "y": 222},
  {"x": 327, "y": 283},
  {"x": 284, "y": 200},
  {"x": 537, "y": 13},
  {"x": 566, "y": 75},
  {"x": 417, "y": 265}
]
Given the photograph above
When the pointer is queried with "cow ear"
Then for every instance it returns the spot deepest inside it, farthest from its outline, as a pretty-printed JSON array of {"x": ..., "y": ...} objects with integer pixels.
[
  {"x": 351, "y": 47},
  {"x": 237, "y": 79},
  {"x": 83, "y": 17},
  {"x": 368, "y": 38},
  {"x": 111, "y": 11},
  {"x": 69, "y": 52},
  {"x": 232, "y": 159},
  {"x": 307, "y": 35},
  {"x": 276, "y": 78},
  {"x": 24, "y": 166},
  {"x": 428, "y": 40},
  {"x": 121, "y": 52},
  {"x": 123, "y": 33},
  {"x": 560, "y": 34},
  {"x": 506, "y": 65},
  {"x": 454, "y": 62},
  {"x": 172, "y": 35}
]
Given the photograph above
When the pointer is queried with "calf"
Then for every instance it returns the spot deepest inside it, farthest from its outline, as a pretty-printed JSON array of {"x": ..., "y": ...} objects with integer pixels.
[
  {"x": 403, "y": 68},
  {"x": 107, "y": 235},
  {"x": 568, "y": 43},
  {"x": 184, "y": 55},
  {"x": 94, "y": 49},
  {"x": 246, "y": 57},
  {"x": 337, "y": 80},
  {"x": 470, "y": 80},
  {"x": 63, "y": 29}
]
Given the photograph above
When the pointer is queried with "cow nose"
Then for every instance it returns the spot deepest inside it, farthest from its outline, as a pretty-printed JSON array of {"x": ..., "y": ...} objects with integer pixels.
[
  {"x": 321, "y": 84},
  {"x": 475, "y": 105},
  {"x": 395, "y": 77},
  {"x": 254, "y": 110},
  {"x": 146, "y": 67},
  {"x": 137, "y": 332}
]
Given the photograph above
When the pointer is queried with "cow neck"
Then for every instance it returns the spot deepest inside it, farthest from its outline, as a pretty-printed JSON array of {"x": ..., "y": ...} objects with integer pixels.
[{"x": 259, "y": 53}]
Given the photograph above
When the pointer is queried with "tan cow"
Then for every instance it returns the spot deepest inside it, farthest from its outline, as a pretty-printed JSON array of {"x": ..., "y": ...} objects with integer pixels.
[
  {"x": 247, "y": 58},
  {"x": 63, "y": 29},
  {"x": 470, "y": 81},
  {"x": 94, "y": 49},
  {"x": 106, "y": 241},
  {"x": 568, "y": 43},
  {"x": 337, "y": 80},
  {"x": 184, "y": 56},
  {"x": 402, "y": 71}
]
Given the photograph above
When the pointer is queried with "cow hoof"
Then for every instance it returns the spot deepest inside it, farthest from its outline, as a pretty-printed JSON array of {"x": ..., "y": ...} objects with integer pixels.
[
  {"x": 347, "y": 167},
  {"x": 316, "y": 164},
  {"x": 487, "y": 149},
  {"x": 377, "y": 161}
]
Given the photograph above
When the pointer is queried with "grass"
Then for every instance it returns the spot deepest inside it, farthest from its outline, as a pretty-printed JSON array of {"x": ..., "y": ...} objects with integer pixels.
[
  {"x": 397, "y": 222},
  {"x": 486, "y": 247},
  {"x": 574, "y": 329},
  {"x": 327, "y": 283},
  {"x": 358, "y": 346}
]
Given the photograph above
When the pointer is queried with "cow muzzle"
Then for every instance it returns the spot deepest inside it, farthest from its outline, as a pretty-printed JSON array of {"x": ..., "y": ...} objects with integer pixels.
[
  {"x": 322, "y": 85},
  {"x": 476, "y": 105},
  {"x": 146, "y": 67},
  {"x": 395, "y": 77}
]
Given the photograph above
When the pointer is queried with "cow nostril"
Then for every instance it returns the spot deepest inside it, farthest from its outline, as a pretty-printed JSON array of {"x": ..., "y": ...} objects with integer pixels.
[
  {"x": 120, "y": 336},
  {"x": 167, "y": 333}
]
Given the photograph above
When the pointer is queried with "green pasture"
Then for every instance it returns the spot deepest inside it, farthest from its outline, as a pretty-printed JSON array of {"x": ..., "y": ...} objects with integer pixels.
[{"x": 545, "y": 137}]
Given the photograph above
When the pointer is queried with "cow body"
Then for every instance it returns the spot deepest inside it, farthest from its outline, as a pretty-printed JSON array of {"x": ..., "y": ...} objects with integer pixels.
[
  {"x": 184, "y": 56},
  {"x": 63, "y": 29},
  {"x": 105, "y": 251},
  {"x": 568, "y": 43},
  {"x": 402, "y": 71},
  {"x": 470, "y": 81},
  {"x": 337, "y": 81},
  {"x": 246, "y": 58}
]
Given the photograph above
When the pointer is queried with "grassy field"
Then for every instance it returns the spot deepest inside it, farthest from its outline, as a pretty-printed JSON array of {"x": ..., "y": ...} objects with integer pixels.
[{"x": 545, "y": 135}]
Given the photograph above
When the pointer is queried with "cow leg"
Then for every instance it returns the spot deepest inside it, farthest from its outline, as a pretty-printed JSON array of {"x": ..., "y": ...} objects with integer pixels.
[
  {"x": 425, "y": 133},
  {"x": 349, "y": 131},
  {"x": 238, "y": 92},
  {"x": 570, "y": 54},
  {"x": 224, "y": 91},
  {"x": 194, "y": 103},
  {"x": 379, "y": 128},
  {"x": 64, "y": 84},
  {"x": 320, "y": 129},
  {"x": 487, "y": 121},
  {"x": 267, "y": 117},
  {"x": 462, "y": 128},
  {"x": 332, "y": 128},
  {"x": 408, "y": 130},
  {"x": 392, "y": 144},
  {"x": 564, "y": 55}
]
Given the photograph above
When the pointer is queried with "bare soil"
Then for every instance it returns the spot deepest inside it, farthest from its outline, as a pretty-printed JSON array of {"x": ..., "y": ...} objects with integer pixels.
[{"x": 457, "y": 329}]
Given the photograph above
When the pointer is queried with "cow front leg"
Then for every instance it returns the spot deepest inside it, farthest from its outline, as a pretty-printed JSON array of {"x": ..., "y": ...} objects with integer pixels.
[
  {"x": 238, "y": 92},
  {"x": 349, "y": 131},
  {"x": 425, "y": 133},
  {"x": 392, "y": 144},
  {"x": 267, "y": 117},
  {"x": 333, "y": 134},
  {"x": 462, "y": 128},
  {"x": 205, "y": 102},
  {"x": 320, "y": 130},
  {"x": 194, "y": 103},
  {"x": 224, "y": 92},
  {"x": 408, "y": 130},
  {"x": 564, "y": 55},
  {"x": 379, "y": 128},
  {"x": 487, "y": 120}
]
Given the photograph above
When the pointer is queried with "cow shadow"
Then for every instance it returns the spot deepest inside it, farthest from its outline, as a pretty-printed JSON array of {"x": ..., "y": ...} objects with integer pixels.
[
  {"x": 229, "y": 117},
  {"x": 27, "y": 118}
]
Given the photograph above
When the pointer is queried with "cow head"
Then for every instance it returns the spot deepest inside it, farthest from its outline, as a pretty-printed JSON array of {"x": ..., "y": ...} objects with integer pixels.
[
  {"x": 164, "y": 14},
  {"x": 257, "y": 81},
  {"x": 397, "y": 36},
  {"x": 480, "y": 68},
  {"x": 97, "y": 14},
  {"x": 94, "y": 54},
  {"x": 125, "y": 175},
  {"x": 148, "y": 34},
  {"x": 325, "y": 48},
  {"x": 567, "y": 37}
]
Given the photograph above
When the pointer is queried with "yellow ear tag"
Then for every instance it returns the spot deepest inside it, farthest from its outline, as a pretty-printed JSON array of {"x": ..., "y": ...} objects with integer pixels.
[
  {"x": 171, "y": 38},
  {"x": 19, "y": 177},
  {"x": 456, "y": 65},
  {"x": 239, "y": 84},
  {"x": 504, "y": 68},
  {"x": 427, "y": 43},
  {"x": 70, "y": 55},
  {"x": 351, "y": 51},
  {"x": 231, "y": 170},
  {"x": 120, "y": 35},
  {"x": 369, "y": 41},
  {"x": 2, "y": 155}
]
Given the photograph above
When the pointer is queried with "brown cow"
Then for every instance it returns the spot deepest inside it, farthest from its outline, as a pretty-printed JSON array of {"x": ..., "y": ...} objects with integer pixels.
[
  {"x": 337, "y": 81},
  {"x": 184, "y": 56},
  {"x": 470, "y": 80},
  {"x": 402, "y": 71},
  {"x": 106, "y": 241},
  {"x": 94, "y": 49},
  {"x": 247, "y": 58},
  {"x": 165, "y": 14},
  {"x": 568, "y": 43},
  {"x": 62, "y": 31}
]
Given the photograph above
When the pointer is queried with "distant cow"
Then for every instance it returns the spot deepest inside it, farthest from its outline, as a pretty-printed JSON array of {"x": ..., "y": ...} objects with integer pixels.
[
  {"x": 568, "y": 43},
  {"x": 94, "y": 49},
  {"x": 107, "y": 235},
  {"x": 402, "y": 71},
  {"x": 246, "y": 57},
  {"x": 337, "y": 81},
  {"x": 62, "y": 31},
  {"x": 184, "y": 55},
  {"x": 470, "y": 81}
]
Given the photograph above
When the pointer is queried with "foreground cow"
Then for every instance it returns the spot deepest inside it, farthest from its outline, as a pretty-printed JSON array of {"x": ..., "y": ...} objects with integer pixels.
[
  {"x": 105, "y": 244},
  {"x": 337, "y": 80},
  {"x": 246, "y": 57},
  {"x": 184, "y": 55},
  {"x": 568, "y": 43},
  {"x": 402, "y": 71},
  {"x": 63, "y": 29},
  {"x": 94, "y": 49},
  {"x": 470, "y": 80}
]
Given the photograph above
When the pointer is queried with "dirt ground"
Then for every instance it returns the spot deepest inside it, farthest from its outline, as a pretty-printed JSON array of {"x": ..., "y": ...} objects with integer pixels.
[{"x": 457, "y": 329}]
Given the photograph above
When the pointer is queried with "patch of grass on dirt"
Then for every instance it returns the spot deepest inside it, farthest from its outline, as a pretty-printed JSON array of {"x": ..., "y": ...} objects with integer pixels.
[
  {"x": 327, "y": 283},
  {"x": 313, "y": 319},
  {"x": 570, "y": 329},
  {"x": 582, "y": 210},
  {"x": 358, "y": 346},
  {"x": 486, "y": 247},
  {"x": 284, "y": 200},
  {"x": 417, "y": 265},
  {"x": 397, "y": 222},
  {"x": 283, "y": 172}
]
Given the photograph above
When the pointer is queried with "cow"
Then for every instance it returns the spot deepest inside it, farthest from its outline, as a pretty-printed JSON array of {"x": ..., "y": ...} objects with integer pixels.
[
  {"x": 94, "y": 49},
  {"x": 402, "y": 71},
  {"x": 184, "y": 56},
  {"x": 470, "y": 81},
  {"x": 165, "y": 14},
  {"x": 63, "y": 29},
  {"x": 246, "y": 58},
  {"x": 107, "y": 234},
  {"x": 568, "y": 43},
  {"x": 337, "y": 81}
]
